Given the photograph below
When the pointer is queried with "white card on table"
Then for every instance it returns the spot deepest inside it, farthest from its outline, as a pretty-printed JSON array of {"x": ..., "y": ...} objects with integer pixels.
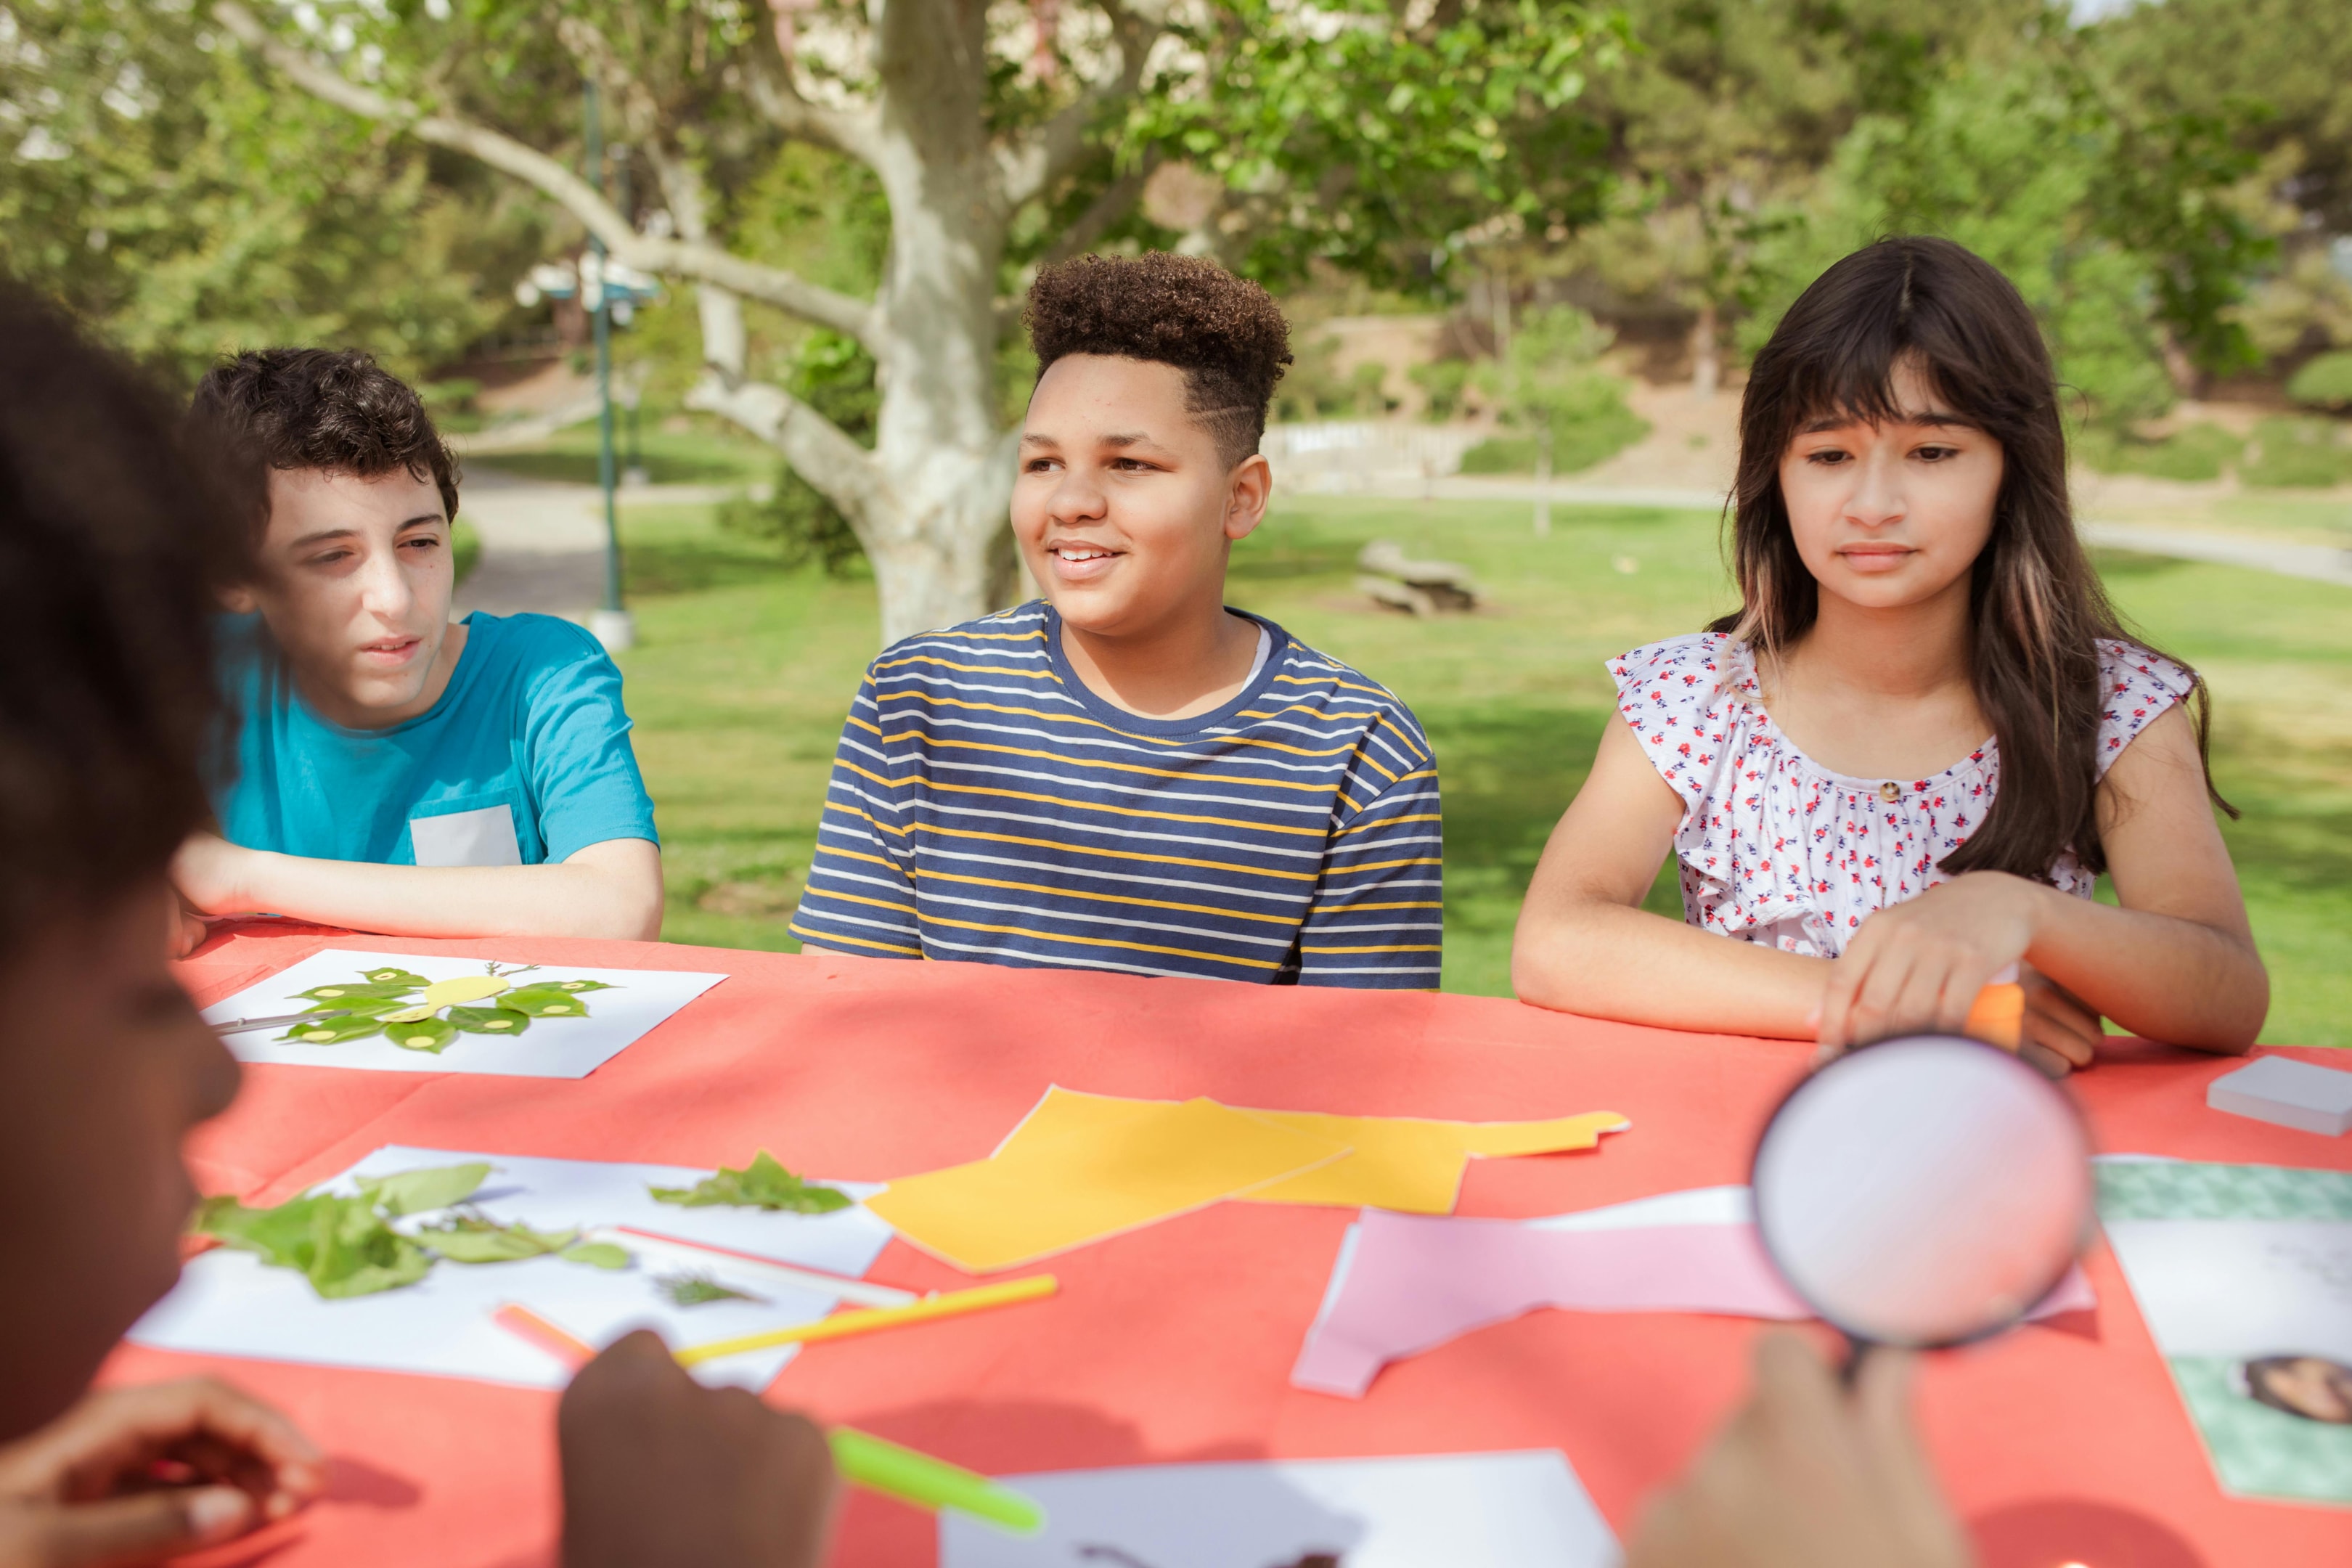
[
  {"x": 229, "y": 1303},
  {"x": 1523, "y": 1510},
  {"x": 627, "y": 1004}
]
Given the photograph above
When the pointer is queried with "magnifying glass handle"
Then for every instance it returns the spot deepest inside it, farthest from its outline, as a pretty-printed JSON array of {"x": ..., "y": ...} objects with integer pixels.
[{"x": 1856, "y": 1352}]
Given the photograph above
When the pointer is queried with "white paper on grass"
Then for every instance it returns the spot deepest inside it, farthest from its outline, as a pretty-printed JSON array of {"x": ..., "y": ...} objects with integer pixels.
[
  {"x": 229, "y": 1303},
  {"x": 2239, "y": 1288},
  {"x": 640, "y": 1001},
  {"x": 1524, "y": 1509}
]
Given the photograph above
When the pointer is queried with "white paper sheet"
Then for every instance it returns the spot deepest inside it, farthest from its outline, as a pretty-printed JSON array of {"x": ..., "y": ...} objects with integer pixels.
[
  {"x": 640, "y": 1000},
  {"x": 231, "y": 1303},
  {"x": 2241, "y": 1287},
  {"x": 1524, "y": 1509}
]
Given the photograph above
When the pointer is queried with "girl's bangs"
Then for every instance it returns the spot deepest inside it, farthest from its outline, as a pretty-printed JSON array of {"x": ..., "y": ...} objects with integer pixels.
[{"x": 1852, "y": 381}]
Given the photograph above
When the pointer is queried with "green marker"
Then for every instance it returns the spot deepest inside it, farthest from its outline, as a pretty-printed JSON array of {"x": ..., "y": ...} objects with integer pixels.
[{"x": 867, "y": 1461}]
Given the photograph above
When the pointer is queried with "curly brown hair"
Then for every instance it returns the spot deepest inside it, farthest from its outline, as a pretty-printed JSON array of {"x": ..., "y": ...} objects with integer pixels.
[
  {"x": 1225, "y": 334},
  {"x": 334, "y": 410}
]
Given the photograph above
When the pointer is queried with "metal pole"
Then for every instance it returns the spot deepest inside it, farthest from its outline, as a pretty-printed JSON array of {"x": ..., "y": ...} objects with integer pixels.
[{"x": 612, "y": 624}]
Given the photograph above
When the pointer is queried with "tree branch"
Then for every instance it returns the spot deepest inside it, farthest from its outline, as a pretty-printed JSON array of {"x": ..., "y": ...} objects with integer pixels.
[
  {"x": 768, "y": 82},
  {"x": 677, "y": 257},
  {"x": 844, "y": 471},
  {"x": 1116, "y": 201},
  {"x": 1037, "y": 163}
]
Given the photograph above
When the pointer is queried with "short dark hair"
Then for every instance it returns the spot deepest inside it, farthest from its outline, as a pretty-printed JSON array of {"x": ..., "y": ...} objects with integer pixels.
[
  {"x": 335, "y": 410},
  {"x": 114, "y": 542},
  {"x": 1225, "y": 334}
]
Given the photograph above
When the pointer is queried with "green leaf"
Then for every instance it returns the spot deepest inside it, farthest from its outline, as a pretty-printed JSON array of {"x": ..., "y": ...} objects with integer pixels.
[
  {"x": 421, "y": 1191},
  {"x": 355, "y": 1253},
  {"x": 280, "y": 1236},
  {"x": 332, "y": 1031},
  {"x": 471, "y": 1238},
  {"x": 543, "y": 1002},
  {"x": 697, "y": 1289},
  {"x": 408, "y": 980},
  {"x": 764, "y": 1184},
  {"x": 596, "y": 1255},
  {"x": 432, "y": 1035},
  {"x": 349, "y": 990},
  {"x": 362, "y": 1006},
  {"x": 572, "y": 985},
  {"x": 489, "y": 1020}
]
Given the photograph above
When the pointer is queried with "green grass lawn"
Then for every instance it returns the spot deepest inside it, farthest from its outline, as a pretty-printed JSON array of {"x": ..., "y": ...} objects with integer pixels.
[{"x": 744, "y": 672}]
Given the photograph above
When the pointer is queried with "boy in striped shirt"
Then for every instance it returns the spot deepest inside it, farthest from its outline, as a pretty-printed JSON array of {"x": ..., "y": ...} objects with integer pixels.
[{"x": 1126, "y": 774}]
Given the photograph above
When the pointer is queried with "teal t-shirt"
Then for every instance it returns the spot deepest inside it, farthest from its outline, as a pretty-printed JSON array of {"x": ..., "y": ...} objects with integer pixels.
[{"x": 523, "y": 761}]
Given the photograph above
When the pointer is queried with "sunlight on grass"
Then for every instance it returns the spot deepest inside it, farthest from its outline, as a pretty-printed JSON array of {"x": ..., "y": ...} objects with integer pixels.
[{"x": 745, "y": 671}]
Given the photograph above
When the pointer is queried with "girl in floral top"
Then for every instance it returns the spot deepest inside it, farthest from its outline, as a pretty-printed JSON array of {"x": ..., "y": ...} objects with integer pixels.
[{"x": 1900, "y": 768}]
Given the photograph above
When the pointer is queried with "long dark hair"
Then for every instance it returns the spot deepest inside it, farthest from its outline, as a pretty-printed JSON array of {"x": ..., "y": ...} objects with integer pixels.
[{"x": 2037, "y": 606}]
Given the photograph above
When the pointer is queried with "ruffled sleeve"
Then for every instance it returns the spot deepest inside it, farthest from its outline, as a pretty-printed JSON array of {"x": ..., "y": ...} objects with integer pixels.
[
  {"x": 2137, "y": 687},
  {"x": 1676, "y": 696}
]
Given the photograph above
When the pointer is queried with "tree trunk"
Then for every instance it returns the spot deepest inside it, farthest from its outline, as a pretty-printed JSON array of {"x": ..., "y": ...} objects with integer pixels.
[{"x": 1706, "y": 354}]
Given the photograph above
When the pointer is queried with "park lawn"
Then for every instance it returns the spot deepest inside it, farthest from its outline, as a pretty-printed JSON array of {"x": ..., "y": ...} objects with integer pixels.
[{"x": 744, "y": 672}]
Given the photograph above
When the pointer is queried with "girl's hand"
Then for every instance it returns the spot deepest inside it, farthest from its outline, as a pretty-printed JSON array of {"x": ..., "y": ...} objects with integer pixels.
[
  {"x": 211, "y": 874},
  {"x": 2062, "y": 1033},
  {"x": 1916, "y": 968}
]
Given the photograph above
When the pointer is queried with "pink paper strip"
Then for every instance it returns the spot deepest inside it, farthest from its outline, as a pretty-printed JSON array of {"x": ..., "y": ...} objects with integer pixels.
[{"x": 1412, "y": 1282}]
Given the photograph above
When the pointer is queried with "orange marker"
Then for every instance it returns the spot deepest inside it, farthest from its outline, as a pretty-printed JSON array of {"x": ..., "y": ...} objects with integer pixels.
[
  {"x": 524, "y": 1323},
  {"x": 1998, "y": 1016}
]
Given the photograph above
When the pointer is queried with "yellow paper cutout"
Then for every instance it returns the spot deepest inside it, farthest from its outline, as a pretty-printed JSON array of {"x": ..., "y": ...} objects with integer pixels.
[
  {"x": 466, "y": 988},
  {"x": 1404, "y": 1164},
  {"x": 1040, "y": 1194}
]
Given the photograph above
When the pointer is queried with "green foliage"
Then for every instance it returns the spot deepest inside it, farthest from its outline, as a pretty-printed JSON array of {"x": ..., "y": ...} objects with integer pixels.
[
  {"x": 420, "y": 1192},
  {"x": 2112, "y": 228},
  {"x": 764, "y": 1184},
  {"x": 164, "y": 191},
  {"x": 1344, "y": 134},
  {"x": 347, "y": 1247},
  {"x": 2201, "y": 451},
  {"x": 2296, "y": 453},
  {"x": 377, "y": 1004},
  {"x": 1314, "y": 387},
  {"x": 2325, "y": 382},
  {"x": 696, "y": 1291},
  {"x": 1552, "y": 387},
  {"x": 2275, "y": 69},
  {"x": 1442, "y": 382}
]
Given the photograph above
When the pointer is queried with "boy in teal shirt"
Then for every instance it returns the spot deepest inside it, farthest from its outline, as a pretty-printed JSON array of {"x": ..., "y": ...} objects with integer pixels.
[{"x": 393, "y": 772}]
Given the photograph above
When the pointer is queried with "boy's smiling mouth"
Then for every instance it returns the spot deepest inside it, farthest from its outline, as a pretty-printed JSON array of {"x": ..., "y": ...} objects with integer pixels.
[{"x": 1077, "y": 562}]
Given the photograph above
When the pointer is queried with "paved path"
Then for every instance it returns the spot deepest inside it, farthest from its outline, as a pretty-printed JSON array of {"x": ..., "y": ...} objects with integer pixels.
[{"x": 543, "y": 541}]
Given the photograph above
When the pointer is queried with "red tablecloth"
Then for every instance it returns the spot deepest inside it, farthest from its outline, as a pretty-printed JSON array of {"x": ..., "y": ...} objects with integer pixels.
[{"x": 2058, "y": 1444}]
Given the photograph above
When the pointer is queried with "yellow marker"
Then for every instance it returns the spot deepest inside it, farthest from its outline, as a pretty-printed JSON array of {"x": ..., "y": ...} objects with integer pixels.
[{"x": 954, "y": 1303}]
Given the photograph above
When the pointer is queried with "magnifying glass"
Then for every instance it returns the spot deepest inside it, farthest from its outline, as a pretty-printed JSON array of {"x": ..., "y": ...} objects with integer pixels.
[{"x": 1924, "y": 1192}]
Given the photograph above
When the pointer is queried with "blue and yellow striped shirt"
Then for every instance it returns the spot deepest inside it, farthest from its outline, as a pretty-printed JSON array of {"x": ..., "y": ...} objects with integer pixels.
[{"x": 985, "y": 806}]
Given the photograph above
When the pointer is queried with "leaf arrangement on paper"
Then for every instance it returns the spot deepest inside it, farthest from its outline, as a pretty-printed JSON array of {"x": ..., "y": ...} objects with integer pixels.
[
  {"x": 685, "y": 1289},
  {"x": 764, "y": 1183},
  {"x": 350, "y": 1247},
  {"x": 421, "y": 1014}
]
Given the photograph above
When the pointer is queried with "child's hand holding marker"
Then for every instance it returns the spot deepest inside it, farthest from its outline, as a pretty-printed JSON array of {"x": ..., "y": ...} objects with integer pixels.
[{"x": 1938, "y": 963}]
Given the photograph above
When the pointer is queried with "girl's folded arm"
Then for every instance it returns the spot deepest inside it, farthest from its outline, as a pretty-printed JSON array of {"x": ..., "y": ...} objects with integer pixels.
[
  {"x": 1585, "y": 945},
  {"x": 2177, "y": 962}
]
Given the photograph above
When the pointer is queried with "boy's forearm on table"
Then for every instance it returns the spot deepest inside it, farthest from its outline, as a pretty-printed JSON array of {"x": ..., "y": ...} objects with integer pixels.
[
  {"x": 566, "y": 899},
  {"x": 1608, "y": 960},
  {"x": 2161, "y": 976}
]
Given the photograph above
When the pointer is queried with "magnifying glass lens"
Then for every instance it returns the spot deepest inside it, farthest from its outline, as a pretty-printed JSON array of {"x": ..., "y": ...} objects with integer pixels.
[{"x": 1924, "y": 1192}]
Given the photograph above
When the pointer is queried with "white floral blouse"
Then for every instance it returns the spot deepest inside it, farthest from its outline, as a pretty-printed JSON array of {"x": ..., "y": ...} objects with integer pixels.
[{"x": 1776, "y": 848}]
